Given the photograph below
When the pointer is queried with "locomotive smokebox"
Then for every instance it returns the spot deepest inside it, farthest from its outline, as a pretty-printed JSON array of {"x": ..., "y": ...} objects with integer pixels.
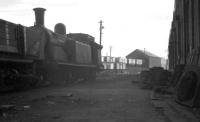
[
  {"x": 60, "y": 28},
  {"x": 39, "y": 16}
]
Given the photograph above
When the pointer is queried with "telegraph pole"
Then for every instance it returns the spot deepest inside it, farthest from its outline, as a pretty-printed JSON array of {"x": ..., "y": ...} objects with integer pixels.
[
  {"x": 101, "y": 28},
  {"x": 110, "y": 51}
]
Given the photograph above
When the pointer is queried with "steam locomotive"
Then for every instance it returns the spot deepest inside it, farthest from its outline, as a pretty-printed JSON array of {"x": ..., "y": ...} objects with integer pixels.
[
  {"x": 40, "y": 54},
  {"x": 184, "y": 51}
]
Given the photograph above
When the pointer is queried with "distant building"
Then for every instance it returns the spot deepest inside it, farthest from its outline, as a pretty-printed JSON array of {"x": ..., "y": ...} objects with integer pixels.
[
  {"x": 108, "y": 62},
  {"x": 120, "y": 63},
  {"x": 140, "y": 60},
  {"x": 114, "y": 63}
]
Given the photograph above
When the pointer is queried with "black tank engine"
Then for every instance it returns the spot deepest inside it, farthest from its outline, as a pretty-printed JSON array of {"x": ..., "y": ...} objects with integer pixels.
[{"x": 32, "y": 55}]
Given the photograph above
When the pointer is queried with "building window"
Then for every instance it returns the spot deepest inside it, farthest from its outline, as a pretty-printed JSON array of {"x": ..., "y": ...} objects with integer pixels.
[
  {"x": 139, "y": 61},
  {"x": 131, "y": 61},
  {"x": 112, "y": 59}
]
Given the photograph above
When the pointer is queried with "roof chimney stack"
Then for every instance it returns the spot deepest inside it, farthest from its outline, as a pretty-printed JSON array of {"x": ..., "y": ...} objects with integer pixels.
[{"x": 39, "y": 16}]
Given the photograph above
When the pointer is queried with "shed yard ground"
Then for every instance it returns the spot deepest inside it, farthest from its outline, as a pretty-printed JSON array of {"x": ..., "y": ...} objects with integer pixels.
[{"x": 111, "y": 98}]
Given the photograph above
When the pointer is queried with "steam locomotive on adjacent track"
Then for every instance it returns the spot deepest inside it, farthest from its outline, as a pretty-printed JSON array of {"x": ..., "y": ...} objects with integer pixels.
[
  {"x": 32, "y": 54},
  {"x": 184, "y": 51}
]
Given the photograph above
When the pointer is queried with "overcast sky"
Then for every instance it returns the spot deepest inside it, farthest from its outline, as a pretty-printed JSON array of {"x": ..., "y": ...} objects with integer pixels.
[{"x": 129, "y": 24}]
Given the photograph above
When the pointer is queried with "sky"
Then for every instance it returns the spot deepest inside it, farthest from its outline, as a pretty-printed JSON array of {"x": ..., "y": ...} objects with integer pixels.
[{"x": 128, "y": 24}]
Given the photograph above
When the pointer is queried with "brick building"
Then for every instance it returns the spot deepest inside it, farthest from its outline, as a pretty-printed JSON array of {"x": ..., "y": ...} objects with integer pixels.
[{"x": 140, "y": 60}]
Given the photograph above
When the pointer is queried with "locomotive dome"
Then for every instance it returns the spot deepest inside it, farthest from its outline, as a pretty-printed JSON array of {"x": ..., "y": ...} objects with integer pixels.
[{"x": 60, "y": 28}]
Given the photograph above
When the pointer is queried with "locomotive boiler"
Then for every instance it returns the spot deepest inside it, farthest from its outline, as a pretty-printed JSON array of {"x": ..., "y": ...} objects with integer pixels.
[{"x": 31, "y": 55}]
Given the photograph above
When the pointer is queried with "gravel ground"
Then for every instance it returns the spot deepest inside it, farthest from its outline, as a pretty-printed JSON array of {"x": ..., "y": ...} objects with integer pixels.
[{"x": 108, "y": 99}]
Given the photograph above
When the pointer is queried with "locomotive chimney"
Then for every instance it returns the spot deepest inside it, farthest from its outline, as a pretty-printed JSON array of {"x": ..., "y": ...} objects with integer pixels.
[{"x": 39, "y": 16}]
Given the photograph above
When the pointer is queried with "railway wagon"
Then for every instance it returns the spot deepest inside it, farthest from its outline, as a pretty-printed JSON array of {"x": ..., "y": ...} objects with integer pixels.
[
  {"x": 30, "y": 55},
  {"x": 184, "y": 51}
]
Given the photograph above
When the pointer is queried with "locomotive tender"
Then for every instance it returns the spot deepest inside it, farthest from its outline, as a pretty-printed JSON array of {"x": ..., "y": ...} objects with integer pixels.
[
  {"x": 38, "y": 52},
  {"x": 184, "y": 51}
]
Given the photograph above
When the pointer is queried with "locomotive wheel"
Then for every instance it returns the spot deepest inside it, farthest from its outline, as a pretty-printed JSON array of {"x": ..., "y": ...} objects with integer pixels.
[{"x": 187, "y": 86}]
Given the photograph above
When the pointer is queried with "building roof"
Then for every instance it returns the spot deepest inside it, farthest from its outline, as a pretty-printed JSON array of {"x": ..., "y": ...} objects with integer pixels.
[{"x": 141, "y": 52}]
